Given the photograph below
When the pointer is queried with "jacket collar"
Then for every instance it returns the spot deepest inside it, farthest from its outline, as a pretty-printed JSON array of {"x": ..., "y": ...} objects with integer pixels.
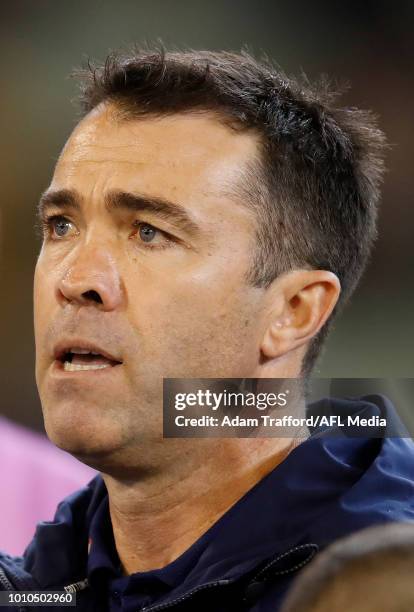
[{"x": 325, "y": 488}]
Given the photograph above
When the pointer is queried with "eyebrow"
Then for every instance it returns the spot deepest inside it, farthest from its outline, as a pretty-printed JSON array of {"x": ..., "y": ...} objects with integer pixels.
[
  {"x": 60, "y": 198},
  {"x": 123, "y": 200},
  {"x": 162, "y": 208}
]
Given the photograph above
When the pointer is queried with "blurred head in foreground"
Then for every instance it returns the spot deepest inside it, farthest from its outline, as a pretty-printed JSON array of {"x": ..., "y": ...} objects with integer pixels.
[
  {"x": 370, "y": 571},
  {"x": 205, "y": 218}
]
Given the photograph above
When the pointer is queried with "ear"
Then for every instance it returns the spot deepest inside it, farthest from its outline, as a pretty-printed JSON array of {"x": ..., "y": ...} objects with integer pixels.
[{"x": 300, "y": 303}]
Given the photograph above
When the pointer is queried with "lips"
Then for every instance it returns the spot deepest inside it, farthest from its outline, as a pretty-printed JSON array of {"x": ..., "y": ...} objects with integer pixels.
[{"x": 84, "y": 356}]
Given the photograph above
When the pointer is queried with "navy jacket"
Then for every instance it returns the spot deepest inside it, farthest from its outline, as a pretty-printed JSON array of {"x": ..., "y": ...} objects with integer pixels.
[{"x": 326, "y": 488}]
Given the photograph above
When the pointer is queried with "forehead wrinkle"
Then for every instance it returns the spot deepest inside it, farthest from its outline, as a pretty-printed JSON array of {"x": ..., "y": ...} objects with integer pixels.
[
  {"x": 109, "y": 147},
  {"x": 81, "y": 151},
  {"x": 102, "y": 161}
]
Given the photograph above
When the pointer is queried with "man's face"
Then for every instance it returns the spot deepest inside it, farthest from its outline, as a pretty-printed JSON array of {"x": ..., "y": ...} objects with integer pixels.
[{"x": 144, "y": 262}]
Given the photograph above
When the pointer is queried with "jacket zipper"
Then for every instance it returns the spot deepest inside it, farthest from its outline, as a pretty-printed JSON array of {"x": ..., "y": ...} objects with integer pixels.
[
  {"x": 77, "y": 586},
  {"x": 5, "y": 582},
  {"x": 313, "y": 550},
  {"x": 178, "y": 600}
]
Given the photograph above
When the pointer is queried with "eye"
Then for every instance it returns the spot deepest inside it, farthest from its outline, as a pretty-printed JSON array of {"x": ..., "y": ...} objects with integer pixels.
[
  {"x": 61, "y": 227},
  {"x": 153, "y": 237},
  {"x": 57, "y": 226},
  {"x": 147, "y": 232}
]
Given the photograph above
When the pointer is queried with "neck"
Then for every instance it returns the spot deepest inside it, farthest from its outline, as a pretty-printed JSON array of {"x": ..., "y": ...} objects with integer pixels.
[{"x": 157, "y": 517}]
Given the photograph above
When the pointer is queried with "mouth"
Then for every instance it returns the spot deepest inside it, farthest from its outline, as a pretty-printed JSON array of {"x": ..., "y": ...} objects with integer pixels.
[{"x": 81, "y": 359}]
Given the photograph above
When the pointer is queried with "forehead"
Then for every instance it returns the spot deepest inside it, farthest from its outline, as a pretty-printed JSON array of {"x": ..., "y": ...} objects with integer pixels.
[{"x": 180, "y": 153}]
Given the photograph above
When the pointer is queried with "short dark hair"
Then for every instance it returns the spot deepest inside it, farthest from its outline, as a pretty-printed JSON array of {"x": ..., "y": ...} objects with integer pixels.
[{"x": 315, "y": 188}]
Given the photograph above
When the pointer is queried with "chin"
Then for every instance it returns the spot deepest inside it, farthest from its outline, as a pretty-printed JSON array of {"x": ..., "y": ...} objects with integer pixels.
[{"x": 82, "y": 430}]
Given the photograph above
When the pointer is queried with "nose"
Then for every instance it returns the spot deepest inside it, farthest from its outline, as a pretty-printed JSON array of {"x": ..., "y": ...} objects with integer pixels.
[{"x": 92, "y": 278}]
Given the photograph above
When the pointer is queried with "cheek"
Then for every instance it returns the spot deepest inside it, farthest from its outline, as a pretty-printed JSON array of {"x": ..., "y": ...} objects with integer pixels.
[
  {"x": 42, "y": 297},
  {"x": 184, "y": 282},
  {"x": 205, "y": 340},
  {"x": 163, "y": 301},
  {"x": 197, "y": 325}
]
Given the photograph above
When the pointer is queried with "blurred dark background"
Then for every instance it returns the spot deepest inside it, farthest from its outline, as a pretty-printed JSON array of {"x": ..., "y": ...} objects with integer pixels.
[{"x": 369, "y": 44}]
